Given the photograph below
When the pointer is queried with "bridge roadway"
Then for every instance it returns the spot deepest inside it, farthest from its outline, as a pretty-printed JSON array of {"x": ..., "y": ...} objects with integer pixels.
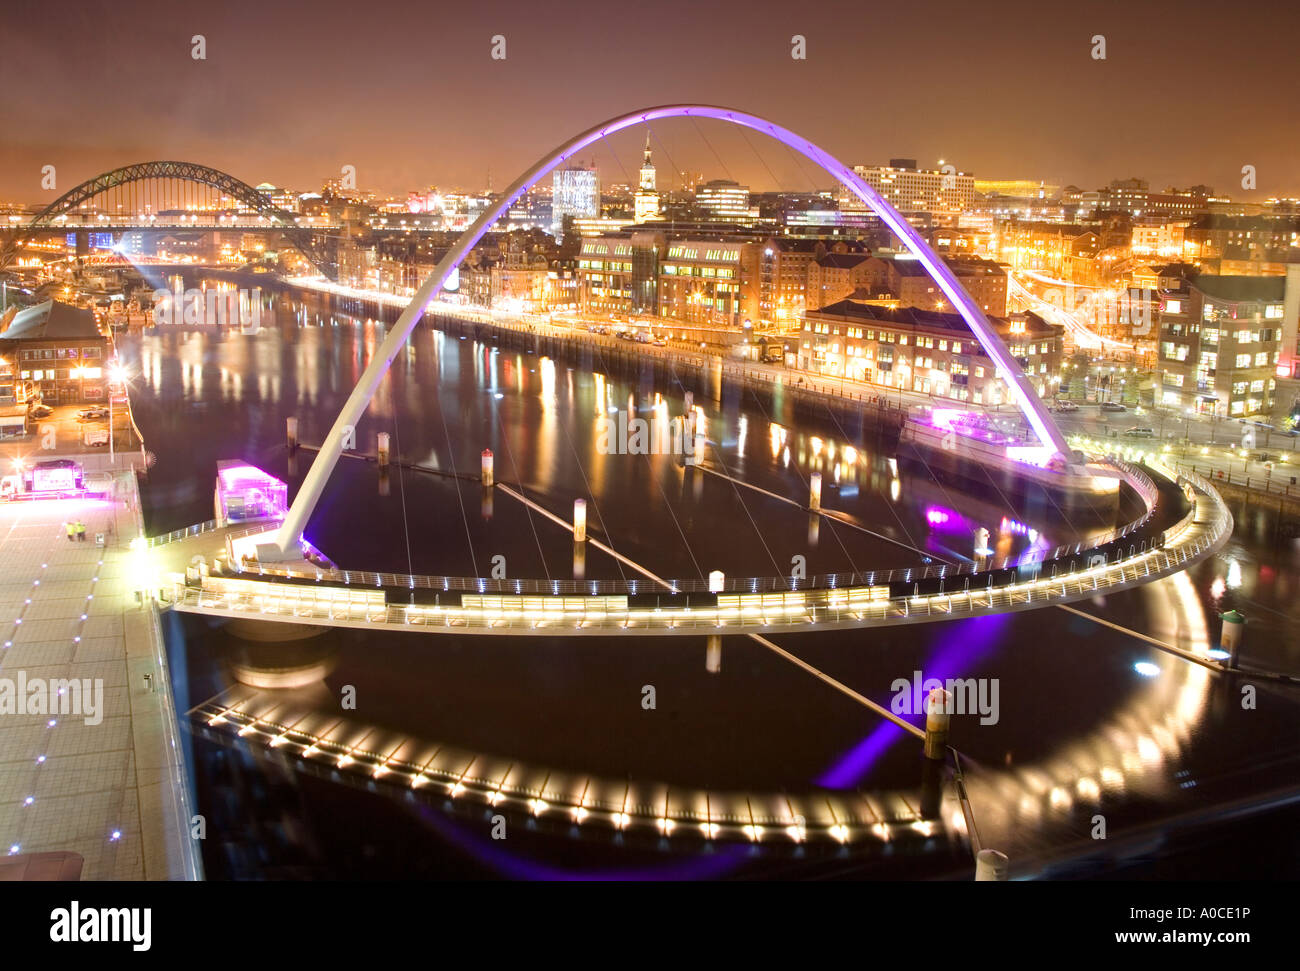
[{"x": 302, "y": 593}]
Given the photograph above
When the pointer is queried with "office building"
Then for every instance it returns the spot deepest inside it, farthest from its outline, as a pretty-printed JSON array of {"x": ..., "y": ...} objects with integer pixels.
[{"x": 576, "y": 193}]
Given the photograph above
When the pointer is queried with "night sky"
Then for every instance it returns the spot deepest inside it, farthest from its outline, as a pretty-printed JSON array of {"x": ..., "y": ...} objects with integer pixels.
[{"x": 407, "y": 92}]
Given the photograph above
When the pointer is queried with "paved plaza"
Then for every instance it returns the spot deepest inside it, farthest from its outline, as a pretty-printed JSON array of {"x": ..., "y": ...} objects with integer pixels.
[{"x": 102, "y": 783}]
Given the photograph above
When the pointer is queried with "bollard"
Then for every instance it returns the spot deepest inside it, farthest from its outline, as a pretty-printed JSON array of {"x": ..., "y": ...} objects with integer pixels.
[
  {"x": 815, "y": 492},
  {"x": 690, "y": 402},
  {"x": 713, "y": 654},
  {"x": 990, "y": 865},
  {"x": 1234, "y": 626},
  {"x": 717, "y": 581},
  {"x": 688, "y": 438},
  {"x": 937, "y": 718},
  {"x": 291, "y": 431},
  {"x": 579, "y": 520},
  {"x": 982, "y": 551},
  {"x": 383, "y": 448},
  {"x": 487, "y": 467}
]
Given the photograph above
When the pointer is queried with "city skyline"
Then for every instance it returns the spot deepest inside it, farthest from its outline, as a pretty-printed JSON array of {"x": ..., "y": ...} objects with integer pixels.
[
  {"x": 683, "y": 442},
  {"x": 887, "y": 99}
]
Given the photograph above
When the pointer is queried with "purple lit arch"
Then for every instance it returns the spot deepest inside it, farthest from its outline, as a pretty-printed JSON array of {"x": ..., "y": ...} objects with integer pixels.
[{"x": 286, "y": 542}]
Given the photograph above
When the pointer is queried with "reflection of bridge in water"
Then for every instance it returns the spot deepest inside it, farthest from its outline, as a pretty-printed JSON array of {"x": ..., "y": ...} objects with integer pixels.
[{"x": 1012, "y": 806}]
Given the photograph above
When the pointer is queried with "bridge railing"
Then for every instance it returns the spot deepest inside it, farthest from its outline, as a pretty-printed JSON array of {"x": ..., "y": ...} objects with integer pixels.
[
  {"x": 186, "y": 533},
  {"x": 297, "y": 603},
  {"x": 832, "y": 581},
  {"x": 1141, "y": 482}
]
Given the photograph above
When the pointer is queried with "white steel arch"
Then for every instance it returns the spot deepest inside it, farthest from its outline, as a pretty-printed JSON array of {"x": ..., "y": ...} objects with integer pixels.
[{"x": 286, "y": 541}]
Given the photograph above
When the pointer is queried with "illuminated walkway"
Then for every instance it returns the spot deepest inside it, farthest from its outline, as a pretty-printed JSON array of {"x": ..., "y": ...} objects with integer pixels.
[
  {"x": 101, "y": 776},
  {"x": 339, "y": 598}
]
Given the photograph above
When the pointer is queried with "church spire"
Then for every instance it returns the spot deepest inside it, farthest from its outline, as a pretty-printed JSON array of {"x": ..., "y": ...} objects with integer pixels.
[{"x": 647, "y": 169}]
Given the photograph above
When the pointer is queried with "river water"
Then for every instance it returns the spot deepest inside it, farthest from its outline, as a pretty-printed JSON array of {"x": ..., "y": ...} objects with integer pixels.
[{"x": 1089, "y": 721}]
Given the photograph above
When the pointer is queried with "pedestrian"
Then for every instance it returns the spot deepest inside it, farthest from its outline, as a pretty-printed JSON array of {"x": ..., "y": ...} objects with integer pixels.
[
  {"x": 72, "y": 530},
  {"x": 81, "y": 532}
]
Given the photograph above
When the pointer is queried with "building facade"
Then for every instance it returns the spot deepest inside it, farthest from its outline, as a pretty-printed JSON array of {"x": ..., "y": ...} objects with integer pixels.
[
  {"x": 926, "y": 351},
  {"x": 943, "y": 193},
  {"x": 618, "y": 273},
  {"x": 724, "y": 201},
  {"x": 59, "y": 349},
  {"x": 710, "y": 283},
  {"x": 1220, "y": 342},
  {"x": 576, "y": 193}
]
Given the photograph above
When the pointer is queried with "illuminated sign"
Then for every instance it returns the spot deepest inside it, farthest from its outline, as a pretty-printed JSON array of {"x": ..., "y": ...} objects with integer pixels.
[{"x": 55, "y": 478}]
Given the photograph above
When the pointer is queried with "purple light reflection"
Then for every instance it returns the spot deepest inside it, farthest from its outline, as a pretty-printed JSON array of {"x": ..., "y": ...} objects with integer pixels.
[{"x": 963, "y": 646}]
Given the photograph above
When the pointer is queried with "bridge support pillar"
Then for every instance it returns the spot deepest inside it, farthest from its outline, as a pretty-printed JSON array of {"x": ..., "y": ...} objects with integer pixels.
[
  {"x": 487, "y": 468},
  {"x": 688, "y": 436},
  {"x": 1234, "y": 629},
  {"x": 383, "y": 449},
  {"x": 580, "y": 520},
  {"x": 815, "y": 492},
  {"x": 291, "y": 433}
]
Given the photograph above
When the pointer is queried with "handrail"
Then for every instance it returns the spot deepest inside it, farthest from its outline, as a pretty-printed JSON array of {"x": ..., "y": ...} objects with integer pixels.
[
  {"x": 1132, "y": 473},
  {"x": 184, "y": 533}
]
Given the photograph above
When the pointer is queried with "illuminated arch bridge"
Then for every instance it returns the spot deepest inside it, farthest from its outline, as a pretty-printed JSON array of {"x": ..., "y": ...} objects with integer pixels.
[
  {"x": 164, "y": 185},
  {"x": 1143, "y": 550},
  {"x": 286, "y": 544},
  {"x": 283, "y": 587}
]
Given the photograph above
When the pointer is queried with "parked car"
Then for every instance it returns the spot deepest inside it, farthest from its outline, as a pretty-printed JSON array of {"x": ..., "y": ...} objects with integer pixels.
[
  {"x": 1140, "y": 433},
  {"x": 1113, "y": 406},
  {"x": 91, "y": 414},
  {"x": 42, "y": 411},
  {"x": 1066, "y": 406}
]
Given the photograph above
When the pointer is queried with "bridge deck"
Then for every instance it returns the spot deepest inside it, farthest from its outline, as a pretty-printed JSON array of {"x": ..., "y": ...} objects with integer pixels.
[{"x": 354, "y": 605}]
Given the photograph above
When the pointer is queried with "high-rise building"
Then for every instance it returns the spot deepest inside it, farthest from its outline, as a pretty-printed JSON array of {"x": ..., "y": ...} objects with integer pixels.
[
  {"x": 725, "y": 201},
  {"x": 276, "y": 196},
  {"x": 576, "y": 192},
  {"x": 943, "y": 192},
  {"x": 646, "y": 201}
]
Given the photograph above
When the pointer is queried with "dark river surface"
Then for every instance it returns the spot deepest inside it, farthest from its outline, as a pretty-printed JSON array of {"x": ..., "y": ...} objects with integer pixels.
[{"x": 1091, "y": 723}]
